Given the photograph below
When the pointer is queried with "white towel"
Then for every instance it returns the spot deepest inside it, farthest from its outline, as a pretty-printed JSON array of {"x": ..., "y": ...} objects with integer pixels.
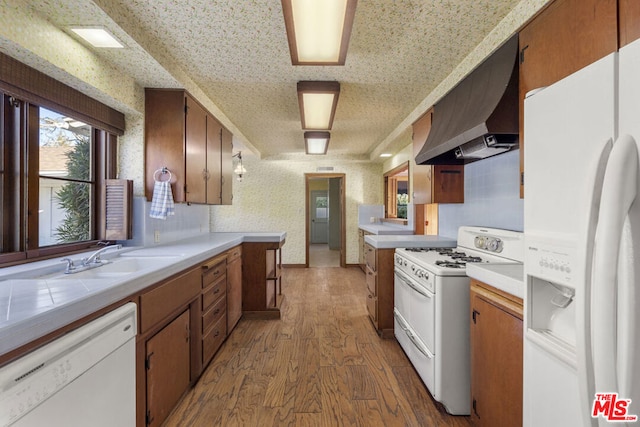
[{"x": 162, "y": 203}]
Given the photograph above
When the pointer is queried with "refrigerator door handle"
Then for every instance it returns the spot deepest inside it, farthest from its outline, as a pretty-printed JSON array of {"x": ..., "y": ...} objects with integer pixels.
[{"x": 619, "y": 191}]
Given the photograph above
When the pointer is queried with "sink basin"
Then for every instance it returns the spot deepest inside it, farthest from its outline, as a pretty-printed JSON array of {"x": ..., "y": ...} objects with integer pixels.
[{"x": 506, "y": 277}]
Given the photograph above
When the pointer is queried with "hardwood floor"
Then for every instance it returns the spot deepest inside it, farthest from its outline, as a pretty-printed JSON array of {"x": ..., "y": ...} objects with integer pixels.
[{"x": 321, "y": 364}]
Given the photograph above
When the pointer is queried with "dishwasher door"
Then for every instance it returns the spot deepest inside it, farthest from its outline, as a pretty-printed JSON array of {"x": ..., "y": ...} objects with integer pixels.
[{"x": 84, "y": 378}]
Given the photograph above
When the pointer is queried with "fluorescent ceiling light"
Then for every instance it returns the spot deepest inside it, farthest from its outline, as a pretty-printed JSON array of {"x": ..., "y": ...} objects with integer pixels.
[
  {"x": 318, "y": 102},
  {"x": 386, "y": 155},
  {"x": 316, "y": 142},
  {"x": 318, "y": 31},
  {"x": 97, "y": 37}
]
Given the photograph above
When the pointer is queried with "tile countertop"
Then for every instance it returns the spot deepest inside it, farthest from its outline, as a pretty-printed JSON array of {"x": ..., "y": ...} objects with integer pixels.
[
  {"x": 32, "y": 308},
  {"x": 380, "y": 229},
  {"x": 412, "y": 241},
  {"x": 506, "y": 277}
]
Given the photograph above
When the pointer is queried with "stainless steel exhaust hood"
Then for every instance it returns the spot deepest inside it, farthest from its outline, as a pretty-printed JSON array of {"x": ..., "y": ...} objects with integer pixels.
[{"x": 479, "y": 117}]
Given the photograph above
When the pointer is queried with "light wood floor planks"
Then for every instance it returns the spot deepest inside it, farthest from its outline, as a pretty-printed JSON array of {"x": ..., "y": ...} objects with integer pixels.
[{"x": 321, "y": 364}]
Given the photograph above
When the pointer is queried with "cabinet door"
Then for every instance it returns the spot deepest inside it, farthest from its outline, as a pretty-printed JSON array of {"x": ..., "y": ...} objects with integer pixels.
[
  {"x": 629, "y": 18},
  {"x": 565, "y": 37},
  {"x": 496, "y": 365},
  {"x": 164, "y": 138},
  {"x": 234, "y": 293},
  {"x": 214, "y": 161},
  {"x": 421, "y": 176},
  {"x": 447, "y": 184},
  {"x": 167, "y": 368},
  {"x": 227, "y": 167},
  {"x": 196, "y": 151}
]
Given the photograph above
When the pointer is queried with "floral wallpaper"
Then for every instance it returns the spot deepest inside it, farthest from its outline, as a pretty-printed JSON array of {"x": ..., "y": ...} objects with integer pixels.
[{"x": 271, "y": 197}]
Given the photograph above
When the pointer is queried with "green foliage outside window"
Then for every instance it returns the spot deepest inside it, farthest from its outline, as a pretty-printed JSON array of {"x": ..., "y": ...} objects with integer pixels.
[
  {"x": 74, "y": 197},
  {"x": 402, "y": 201}
]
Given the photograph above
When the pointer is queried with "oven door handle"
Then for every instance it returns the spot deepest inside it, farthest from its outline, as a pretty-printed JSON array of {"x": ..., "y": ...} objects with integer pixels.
[
  {"x": 413, "y": 339},
  {"x": 409, "y": 283},
  {"x": 411, "y": 336}
]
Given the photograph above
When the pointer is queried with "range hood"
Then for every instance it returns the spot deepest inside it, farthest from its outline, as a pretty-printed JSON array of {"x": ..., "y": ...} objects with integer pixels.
[{"x": 479, "y": 117}]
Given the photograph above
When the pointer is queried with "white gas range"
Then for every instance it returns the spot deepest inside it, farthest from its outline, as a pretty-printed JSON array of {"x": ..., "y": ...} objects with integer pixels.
[{"x": 431, "y": 293}]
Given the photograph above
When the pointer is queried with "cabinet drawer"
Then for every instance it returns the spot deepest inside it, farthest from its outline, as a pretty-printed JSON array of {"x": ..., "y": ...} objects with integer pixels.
[
  {"x": 211, "y": 294},
  {"x": 213, "y": 270},
  {"x": 370, "y": 256},
  {"x": 214, "y": 314},
  {"x": 372, "y": 281},
  {"x": 213, "y": 339},
  {"x": 372, "y": 308},
  {"x": 234, "y": 253},
  {"x": 161, "y": 301}
]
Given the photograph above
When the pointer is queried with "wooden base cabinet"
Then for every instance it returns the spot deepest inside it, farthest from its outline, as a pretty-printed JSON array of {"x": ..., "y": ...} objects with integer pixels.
[
  {"x": 379, "y": 278},
  {"x": 214, "y": 306},
  {"x": 496, "y": 357},
  {"x": 166, "y": 345},
  {"x": 234, "y": 287},
  {"x": 167, "y": 365},
  {"x": 262, "y": 279}
]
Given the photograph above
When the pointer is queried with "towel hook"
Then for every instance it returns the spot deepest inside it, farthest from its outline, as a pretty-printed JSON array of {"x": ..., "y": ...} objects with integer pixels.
[{"x": 162, "y": 171}]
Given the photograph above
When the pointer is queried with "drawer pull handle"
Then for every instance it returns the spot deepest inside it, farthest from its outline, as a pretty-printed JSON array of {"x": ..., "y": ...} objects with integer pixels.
[
  {"x": 217, "y": 290},
  {"x": 216, "y": 334},
  {"x": 216, "y": 311}
]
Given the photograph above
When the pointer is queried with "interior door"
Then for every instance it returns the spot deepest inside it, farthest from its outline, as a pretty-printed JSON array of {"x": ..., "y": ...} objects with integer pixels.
[{"x": 319, "y": 216}]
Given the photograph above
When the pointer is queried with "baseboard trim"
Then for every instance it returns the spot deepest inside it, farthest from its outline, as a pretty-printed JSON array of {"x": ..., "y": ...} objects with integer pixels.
[{"x": 293, "y": 265}]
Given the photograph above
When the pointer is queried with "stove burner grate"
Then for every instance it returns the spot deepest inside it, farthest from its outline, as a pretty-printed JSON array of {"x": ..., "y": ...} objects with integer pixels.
[{"x": 450, "y": 264}]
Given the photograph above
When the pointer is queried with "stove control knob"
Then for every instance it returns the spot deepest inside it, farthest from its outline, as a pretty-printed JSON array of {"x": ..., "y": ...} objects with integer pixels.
[
  {"x": 413, "y": 268},
  {"x": 421, "y": 273},
  {"x": 426, "y": 275},
  {"x": 405, "y": 263},
  {"x": 495, "y": 245}
]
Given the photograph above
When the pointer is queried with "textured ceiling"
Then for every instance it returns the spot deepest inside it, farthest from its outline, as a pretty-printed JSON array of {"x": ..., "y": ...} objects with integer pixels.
[{"x": 236, "y": 53}]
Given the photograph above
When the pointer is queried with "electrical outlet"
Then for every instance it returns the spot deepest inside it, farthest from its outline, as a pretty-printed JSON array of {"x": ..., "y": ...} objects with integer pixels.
[{"x": 156, "y": 236}]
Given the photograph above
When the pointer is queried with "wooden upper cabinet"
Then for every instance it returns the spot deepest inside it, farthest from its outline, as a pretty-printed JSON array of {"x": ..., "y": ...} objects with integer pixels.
[
  {"x": 434, "y": 184},
  {"x": 565, "y": 37},
  {"x": 183, "y": 136},
  {"x": 227, "y": 167},
  {"x": 214, "y": 161},
  {"x": 629, "y": 21},
  {"x": 196, "y": 152}
]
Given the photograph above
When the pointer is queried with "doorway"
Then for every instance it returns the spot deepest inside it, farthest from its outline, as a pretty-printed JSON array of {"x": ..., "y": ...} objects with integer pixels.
[{"x": 325, "y": 240}]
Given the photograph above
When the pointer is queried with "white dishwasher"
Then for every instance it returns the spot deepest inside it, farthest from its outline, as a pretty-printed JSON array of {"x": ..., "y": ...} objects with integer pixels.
[{"x": 84, "y": 378}]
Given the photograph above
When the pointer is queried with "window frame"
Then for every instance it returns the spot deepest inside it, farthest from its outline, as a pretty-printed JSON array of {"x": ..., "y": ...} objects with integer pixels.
[
  {"x": 19, "y": 130},
  {"x": 391, "y": 179}
]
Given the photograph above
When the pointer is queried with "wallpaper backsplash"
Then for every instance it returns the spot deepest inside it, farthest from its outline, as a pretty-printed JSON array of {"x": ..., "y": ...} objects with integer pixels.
[{"x": 491, "y": 197}]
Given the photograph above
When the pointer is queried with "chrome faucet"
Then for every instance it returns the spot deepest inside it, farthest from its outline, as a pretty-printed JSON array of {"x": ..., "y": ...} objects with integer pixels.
[{"x": 94, "y": 258}]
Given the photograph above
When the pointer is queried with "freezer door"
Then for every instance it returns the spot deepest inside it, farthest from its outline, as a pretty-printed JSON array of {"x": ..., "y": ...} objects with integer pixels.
[{"x": 569, "y": 129}]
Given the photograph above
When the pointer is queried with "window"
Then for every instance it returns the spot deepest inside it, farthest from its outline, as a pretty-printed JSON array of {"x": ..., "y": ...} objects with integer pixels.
[
  {"x": 396, "y": 189},
  {"x": 58, "y": 147},
  {"x": 52, "y": 168}
]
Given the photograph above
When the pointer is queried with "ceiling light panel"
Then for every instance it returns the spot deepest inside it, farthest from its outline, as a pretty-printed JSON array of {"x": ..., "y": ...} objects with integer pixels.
[
  {"x": 318, "y": 31},
  {"x": 97, "y": 37},
  {"x": 318, "y": 102},
  {"x": 316, "y": 142}
]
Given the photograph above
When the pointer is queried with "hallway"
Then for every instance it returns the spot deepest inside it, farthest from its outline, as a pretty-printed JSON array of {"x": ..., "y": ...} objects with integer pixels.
[{"x": 321, "y": 364}]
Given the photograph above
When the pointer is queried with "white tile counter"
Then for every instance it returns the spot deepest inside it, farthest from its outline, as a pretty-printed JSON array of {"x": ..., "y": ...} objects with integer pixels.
[
  {"x": 381, "y": 229},
  {"x": 506, "y": 277},
  {"x": 33, "y": 307},
  {"x": 412, "y": 241}
]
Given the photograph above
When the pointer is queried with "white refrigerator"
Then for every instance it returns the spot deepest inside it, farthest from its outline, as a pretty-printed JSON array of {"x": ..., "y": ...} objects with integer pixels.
[{"x": 582, "y": 239}]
